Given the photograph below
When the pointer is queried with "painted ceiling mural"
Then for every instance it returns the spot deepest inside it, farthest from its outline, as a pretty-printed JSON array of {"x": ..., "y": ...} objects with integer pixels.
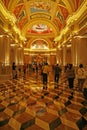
[
  {"x": 39, "y": 44},
  {"x": 40, "y": 7},
  {"x": 40, "y": 29},
  {"x": 24, "y": 9}
]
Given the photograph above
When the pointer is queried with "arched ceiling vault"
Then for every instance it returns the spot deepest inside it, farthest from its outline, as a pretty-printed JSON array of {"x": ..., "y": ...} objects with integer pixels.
[
  {"x": 35, "y": 39},
  {"x": 49, "y": 15},
  {"x": 24, "y": 9}
]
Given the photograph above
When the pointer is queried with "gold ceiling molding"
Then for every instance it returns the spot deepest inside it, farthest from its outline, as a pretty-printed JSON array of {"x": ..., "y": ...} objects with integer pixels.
[
  {"x": 12, "y": 4},
  {"x": 70, "y": 5},
  {"x": 73, "y": 20},
  {"x": 28, "y": 50},
  {"x": 10, "y": 19},
  {"x": 40, "y": 15},
  {"x": 7, "y": 15}
]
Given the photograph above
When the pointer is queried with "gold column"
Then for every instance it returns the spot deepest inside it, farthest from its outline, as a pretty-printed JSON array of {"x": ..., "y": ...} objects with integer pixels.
[
  {"x": 75, "y": 52},
  {"x": 79, "y": 50},
  {"x": 64, "y": 55},
  {"x": 14, "y": 53},
  {"x": 20, "y": 56},
  {"x": 48, "y": 59},
  {"x": 5, "y": 50},
  {"x": 60, "y": 56},
  {"x": 5, "y": 69}
]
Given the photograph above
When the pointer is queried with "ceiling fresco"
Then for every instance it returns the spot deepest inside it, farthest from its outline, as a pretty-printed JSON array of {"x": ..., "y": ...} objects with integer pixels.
[
  {"x": 44, "y": 17},
  {"x": 39, "y": 44},
  {"x": 40, "y": 29},
  {"x": 40, "y": 7},
  {"x": 23, "y": 9}
]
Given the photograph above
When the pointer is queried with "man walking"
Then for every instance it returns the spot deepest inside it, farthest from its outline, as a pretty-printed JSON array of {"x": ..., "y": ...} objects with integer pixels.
[{"x": 57, "y": 71}]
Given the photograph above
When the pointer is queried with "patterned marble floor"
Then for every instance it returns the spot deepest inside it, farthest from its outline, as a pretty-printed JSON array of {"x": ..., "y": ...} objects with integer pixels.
[{"x": 24, "y": 105}]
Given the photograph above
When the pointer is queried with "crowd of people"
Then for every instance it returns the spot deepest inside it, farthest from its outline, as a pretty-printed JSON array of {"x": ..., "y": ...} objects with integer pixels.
[{"x": 71, "y": 73}]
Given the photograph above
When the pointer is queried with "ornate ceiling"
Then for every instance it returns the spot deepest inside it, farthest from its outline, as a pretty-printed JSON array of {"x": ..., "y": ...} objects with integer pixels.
[
  {"x": 45, "y": 18},
  {"x": 53, "y": 11}
]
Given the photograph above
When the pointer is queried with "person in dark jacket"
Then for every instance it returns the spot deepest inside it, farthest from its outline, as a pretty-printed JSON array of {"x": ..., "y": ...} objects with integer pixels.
[
  {"x": 71, "y": 76},
  {"x": 14, "y": 72},
  {"x": 45, "y": 69},
  {"x": 57, "y": 72}
]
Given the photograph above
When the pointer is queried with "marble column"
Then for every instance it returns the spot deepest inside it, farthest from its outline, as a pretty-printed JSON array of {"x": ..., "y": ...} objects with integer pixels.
[
  {"x": 64, "y": 55},
  {"x": 14, "y": 53},
  {"x": 48, "y": 59},
  {"x": 4, "y": 56},
  {"x": 20, "y": 56},
  {"x": 79, "y": 50},
  {"x": 57, "y": 56},
  {"x": 52, "y": 59},
  {"x": 60, "y": 56},
  {"x": 5, "y": 50}
]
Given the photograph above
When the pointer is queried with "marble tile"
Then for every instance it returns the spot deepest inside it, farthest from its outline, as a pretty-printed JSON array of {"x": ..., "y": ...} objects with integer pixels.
[
  {"x": 55, "y": 109},
  {"x": 85, "y": 116},
  {"x": 37, "y": 95},
  {"x": 34, "y": 127},
  {"x": 5, "y": 103},
  {"x": 48, "y": 121},
  {"x": 64, "y": 127},
  {"x": 4, "y": 118},
  {"x": 61, "y": 101},
  {"x": 27, "y": 106},
  {"x": 84, "y": 103},
  {"x": 81, "y": 123},
  {"x": 85, "y": 127},
  {"x": 2, "y": 98},
  {"x": 31, "y": 101},
  {"x": 45, "y": 101},
  {"x": 83, "y": 110},
  {"x": 2, "y": 107},
  {"x": 67, "y": 103},
  {"x": 77, "y": 100},
  {"x": 70, "y": 119},
  {"x": 6, "y": 127},
  {"x": 36, "y": 110},
  {"x": 15, "y": 109},
  {"x": 74, "y": 108},
  {"x": 65, "y": 95},
  {"x": 52, "y": 96},
  {"x": 22, "y": 121}
]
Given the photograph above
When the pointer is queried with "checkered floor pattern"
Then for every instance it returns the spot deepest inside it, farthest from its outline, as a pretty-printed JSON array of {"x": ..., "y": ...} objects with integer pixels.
[{"x": 24, "y": 105}]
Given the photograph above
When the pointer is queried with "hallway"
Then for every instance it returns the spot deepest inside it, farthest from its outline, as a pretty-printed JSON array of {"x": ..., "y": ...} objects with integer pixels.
[
  {"x": 24, "y": 105},
  {"x": 32, "y": 33}
]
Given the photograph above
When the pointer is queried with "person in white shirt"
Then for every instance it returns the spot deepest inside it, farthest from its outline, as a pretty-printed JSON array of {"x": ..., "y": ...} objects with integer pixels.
[{"x": 81, "y": 75}]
